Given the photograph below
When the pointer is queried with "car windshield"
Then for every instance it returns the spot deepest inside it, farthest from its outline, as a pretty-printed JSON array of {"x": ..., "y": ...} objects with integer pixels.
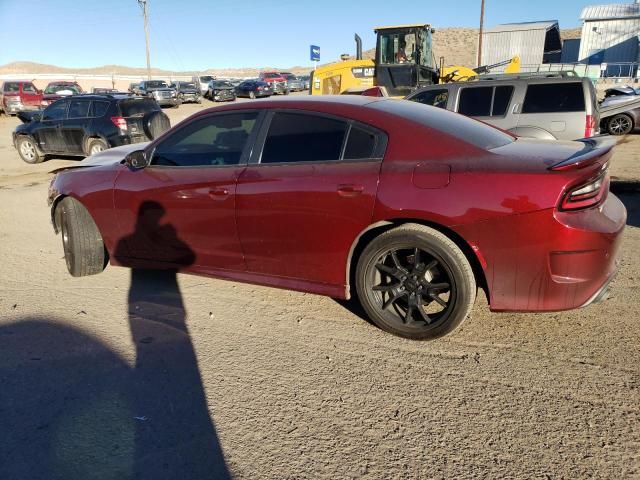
[
  {"x": 206, "y": 78},
  {"x": 221, "y": 84},
  {"x": 156, "y": 84},
  {"x": 138, "y": 106},
  {"x": 271, "y": 75},
  {"x": 60, "y": 87},
  {"x": 187, "y": 85},
  {"x": 466, "y": 129}
]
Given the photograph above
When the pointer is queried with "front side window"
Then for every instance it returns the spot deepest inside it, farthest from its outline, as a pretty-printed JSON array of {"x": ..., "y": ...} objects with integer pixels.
[
  {"x": 209, "y": 141},
  {"x": 78, "y": 109},
  {"x": 397, "y": 48},
  {"x": 436, "y": 98},
  {"x": 475, "y": 102},
  {"x": 55, "y": 111},
  {"x": 554, "y": 98},
  {"x": 29, "y": 88},
  {"x": 294, "y": 138}
]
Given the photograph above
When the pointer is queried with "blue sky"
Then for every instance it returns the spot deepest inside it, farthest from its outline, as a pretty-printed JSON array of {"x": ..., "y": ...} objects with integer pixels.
[{"x": 199, "y": 34}]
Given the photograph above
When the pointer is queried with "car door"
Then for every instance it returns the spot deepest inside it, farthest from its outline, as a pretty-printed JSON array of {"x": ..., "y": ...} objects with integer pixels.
[
  {"x": 307, "y": 195},
  {"x": 180, "y": 209},
  {"x": 74, "y": 127},
  {"x": 30, "y": 95},
  {"x": 48, "y": 132}
]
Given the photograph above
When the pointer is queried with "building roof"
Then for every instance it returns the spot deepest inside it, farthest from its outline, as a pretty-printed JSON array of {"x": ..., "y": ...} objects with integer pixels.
[
  {"x": 611, "y": 12},
  {"x": 523, "y": 26}
]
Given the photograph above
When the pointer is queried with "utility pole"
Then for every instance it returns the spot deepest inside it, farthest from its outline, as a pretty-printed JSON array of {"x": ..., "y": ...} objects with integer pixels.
[
  {"x": 145, "y": 13},
  {"x": 480, "y": 35}
]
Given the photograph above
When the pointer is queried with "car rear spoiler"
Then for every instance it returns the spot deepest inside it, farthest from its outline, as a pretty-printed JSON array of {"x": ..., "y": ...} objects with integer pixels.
[{"x": 595, "y": 148}]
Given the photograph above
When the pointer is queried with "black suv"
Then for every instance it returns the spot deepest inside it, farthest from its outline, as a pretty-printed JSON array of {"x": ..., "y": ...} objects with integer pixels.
[{"x": 86, "y": 124}]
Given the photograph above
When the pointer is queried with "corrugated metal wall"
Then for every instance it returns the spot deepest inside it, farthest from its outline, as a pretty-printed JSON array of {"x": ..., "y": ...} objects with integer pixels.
[
  {"x": 618, "y": 39},
  {"x": 527, "y": 44}
]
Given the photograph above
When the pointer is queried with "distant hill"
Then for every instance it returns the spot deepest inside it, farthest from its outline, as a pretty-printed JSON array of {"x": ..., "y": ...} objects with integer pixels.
[{"x": 459, "y": 46}]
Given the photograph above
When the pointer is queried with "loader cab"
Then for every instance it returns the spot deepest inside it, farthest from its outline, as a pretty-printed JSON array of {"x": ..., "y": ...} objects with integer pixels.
[{"x": 404, "y": 58}]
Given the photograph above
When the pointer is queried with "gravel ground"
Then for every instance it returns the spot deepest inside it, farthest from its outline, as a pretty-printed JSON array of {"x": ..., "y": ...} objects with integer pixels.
[{"x": 147, "y": 376}]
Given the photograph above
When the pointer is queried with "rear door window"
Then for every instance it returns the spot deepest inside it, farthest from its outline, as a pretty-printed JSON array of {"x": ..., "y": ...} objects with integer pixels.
[
  {"x": 295, "y": 138},
  {"x": 475, "y": 102},
  {"x": 78, "y": 109},
  {"x": 436, "y": 98},
  {"x": 554, "y": 98},
  {"x": 501, "y": 99}
]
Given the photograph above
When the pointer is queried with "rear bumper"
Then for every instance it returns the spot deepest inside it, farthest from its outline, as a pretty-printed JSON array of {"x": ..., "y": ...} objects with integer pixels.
[
  {"x": 167, "y": 101},
  {"x": 550, "y": 260}
]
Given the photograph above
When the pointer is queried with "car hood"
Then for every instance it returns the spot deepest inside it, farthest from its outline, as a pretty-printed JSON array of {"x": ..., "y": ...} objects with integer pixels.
[{"x": 112, "y": 156}]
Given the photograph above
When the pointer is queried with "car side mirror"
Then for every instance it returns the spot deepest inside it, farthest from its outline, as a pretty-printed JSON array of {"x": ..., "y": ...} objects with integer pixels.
[{"x": 136, "y": 160}]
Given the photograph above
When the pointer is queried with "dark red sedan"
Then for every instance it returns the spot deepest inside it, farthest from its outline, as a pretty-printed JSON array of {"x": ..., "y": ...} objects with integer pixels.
[{"x": 409, "y": 208}]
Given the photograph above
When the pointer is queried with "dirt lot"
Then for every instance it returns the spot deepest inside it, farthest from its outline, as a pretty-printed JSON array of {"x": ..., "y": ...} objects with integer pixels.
[{"x": 122, "y": 376}]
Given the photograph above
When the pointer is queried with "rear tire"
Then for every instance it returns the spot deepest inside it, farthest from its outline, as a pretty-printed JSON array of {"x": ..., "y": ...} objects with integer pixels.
[
  {"x": 415, "y": 282},
  {"x": 620, "y": 124},
  {"x": 83, "y": 246},
  {"x": 28, "y": 151},
  {"x": 252, "y": 95},
  {"x": 96, "y": 145}
]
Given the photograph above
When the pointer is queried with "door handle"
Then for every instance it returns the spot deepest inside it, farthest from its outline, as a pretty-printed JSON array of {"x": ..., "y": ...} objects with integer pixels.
[
  {"x": 219, "y": 193},
  {"x": 350, "y": 190}
]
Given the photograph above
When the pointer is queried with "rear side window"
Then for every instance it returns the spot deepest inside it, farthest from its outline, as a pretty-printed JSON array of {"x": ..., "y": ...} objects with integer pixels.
[
  {"x": 98, "y": 109},
  {"x": 296, "y": 138},
  {"x": 501, "y": 99},
  {"x": 12, "y": 87},
  {"x": 78, "y": 109},
  {"x": 475, "y": 102},
  {"x": 436, "y": 98},
  {"x": 553, "y": 98},
  {"x": 138, "y": 106},
  {"x": 360, "y": 144}
]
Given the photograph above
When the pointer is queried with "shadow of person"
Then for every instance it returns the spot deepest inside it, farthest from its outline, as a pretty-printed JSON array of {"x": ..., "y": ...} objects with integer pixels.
[{"x": 174, "y": 436}]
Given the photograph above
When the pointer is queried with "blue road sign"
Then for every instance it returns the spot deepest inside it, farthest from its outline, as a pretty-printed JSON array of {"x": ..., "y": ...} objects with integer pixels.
[{"x": 314, "y": 51}]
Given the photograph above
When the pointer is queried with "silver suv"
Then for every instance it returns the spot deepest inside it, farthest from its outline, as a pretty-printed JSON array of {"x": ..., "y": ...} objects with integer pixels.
[{"x": 562, "y": 108}]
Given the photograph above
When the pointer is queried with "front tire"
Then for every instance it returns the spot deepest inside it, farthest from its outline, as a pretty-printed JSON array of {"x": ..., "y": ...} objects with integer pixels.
[
  {"x": 83, "y": 246},
  {"x": 620, "y": 124},
  {"x": 415, "y": 282},
  {"x": 28, "y": 151}
]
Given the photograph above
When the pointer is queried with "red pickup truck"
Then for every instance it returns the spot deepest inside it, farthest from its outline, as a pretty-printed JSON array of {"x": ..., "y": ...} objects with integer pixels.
[
  {"x": 19, "y": 95},
  {"x": 277, "y": 82}
]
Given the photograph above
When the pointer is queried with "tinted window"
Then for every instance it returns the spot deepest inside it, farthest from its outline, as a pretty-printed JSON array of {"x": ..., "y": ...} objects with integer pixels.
[
  {"x": 78, "y": 109},
  {"x": 464, "y": 129},
  {"x": 214, "y": 140},
  {"x": 554, "y": 97},
  {"x": 294, "y": 137},
  {"x": 29, "y": 88},
  {"x": 475, "y": 102},
  {"x": 436, "y": 98},
  {"x": 501, "y": 99},
  {"x": 361, "y": 144},
  {"x": 138, "y": 106},
  {"x": 98, "y": 109},
  {"x": 55, "y": 111},
  {"x": 11, "y": 87}
]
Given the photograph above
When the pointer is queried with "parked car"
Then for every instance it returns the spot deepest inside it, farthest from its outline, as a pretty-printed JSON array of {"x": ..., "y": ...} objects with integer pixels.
[
  {"x": 19, "y": 95},
  {"x": 160, "y": 91},
  {"x": 306, "y": 81},
  {"x": 134, "y": 87},
  {"x": 254, "y": 89},
  {"x": 293, "y": 83},
  {"x": 87, "y": 124},
  {"x": 202, "y": 82},
  {"x": 620, "y": 110},
  {"x": 406, "y": 207},
  {"x": 551, "y": 108},
  {"x": 220, "y": 91},
  {"x": 188, "y": 92},
  {"x": 277, "y": 82},
  {"x": 56, "y": 90}
]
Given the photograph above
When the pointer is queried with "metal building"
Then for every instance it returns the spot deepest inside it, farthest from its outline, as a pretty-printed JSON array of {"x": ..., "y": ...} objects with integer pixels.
[
  {"x": 533, "y": 42},
  {"x": 610, "y": 33}
]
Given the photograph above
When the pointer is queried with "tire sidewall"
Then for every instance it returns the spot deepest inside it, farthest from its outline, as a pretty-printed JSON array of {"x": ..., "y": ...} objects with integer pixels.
[
  {"x": 465, "y": 291},
  {"x": 94, "y": 141},
  {"x": 37, "y": 158},
  {"x": 621, "y": 133}
]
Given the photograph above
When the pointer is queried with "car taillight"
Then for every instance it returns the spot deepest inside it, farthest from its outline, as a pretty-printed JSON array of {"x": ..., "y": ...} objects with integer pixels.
[
  {"x": 259, "y": 88},
  {"x": 120, "y": 122},
  {"x": 586, "y": 194},
  {"x": 589, "y": 126}
]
